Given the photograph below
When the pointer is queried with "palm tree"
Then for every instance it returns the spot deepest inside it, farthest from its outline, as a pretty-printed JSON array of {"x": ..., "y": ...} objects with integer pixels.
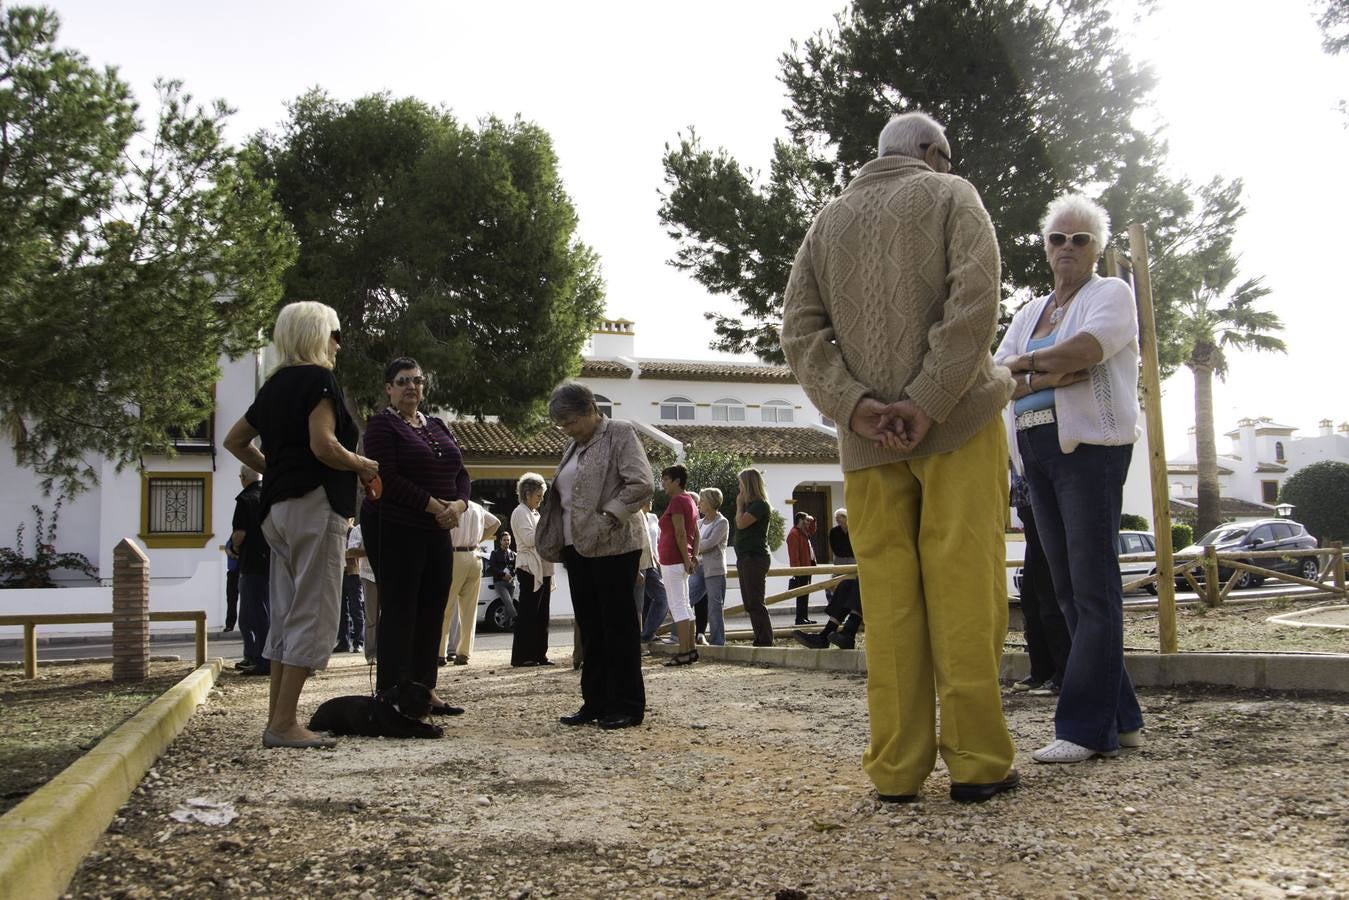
[{"x": 1213, "y": 321}]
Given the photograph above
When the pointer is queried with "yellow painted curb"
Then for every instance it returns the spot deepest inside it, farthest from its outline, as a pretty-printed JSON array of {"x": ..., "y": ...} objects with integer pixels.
[{"x": 44, "y": 838}]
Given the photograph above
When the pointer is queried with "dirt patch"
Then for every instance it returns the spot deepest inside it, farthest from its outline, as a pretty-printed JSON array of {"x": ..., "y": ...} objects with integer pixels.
[
  {"x": 742, "y": 782},
  {"x": 1237, "y": 627},
  {"x": 51, "y": 720}
]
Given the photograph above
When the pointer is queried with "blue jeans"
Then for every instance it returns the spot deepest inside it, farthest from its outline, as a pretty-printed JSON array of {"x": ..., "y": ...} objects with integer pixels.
[
  {"x": 1076, "y": 498},
  {"x": 351, "y": 617},
  {"x": 255, "y": 616},
  {"x": 713, "y": 587},
  {"x": 655, "y": 613}
]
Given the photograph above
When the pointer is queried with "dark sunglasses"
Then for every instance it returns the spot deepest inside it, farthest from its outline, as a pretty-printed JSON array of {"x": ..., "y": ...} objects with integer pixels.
[
  {"x": 405, "y": 380},
  {"x": 1079, "y": 238},
  {"x": 940, "y": 152},
  {"x": 336, "y": 336}
]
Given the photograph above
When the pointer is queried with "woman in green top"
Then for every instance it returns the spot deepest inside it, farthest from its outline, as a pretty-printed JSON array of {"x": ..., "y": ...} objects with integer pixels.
[{"x": 751, "y": 552}]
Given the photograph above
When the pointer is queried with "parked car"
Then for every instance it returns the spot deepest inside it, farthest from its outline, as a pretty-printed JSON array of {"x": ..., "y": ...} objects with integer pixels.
[
  {"x": 1126, "y": 543},
  {"x": 1262, "y": 534},
  {"x": 491, "y": 612}
]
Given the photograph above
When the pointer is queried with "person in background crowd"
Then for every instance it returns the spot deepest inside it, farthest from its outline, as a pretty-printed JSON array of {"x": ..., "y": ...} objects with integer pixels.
[
  {"x": 677, "y": 549},
  {"x": 461, "y": 607},
  {"x": 369, "y": 592},
  {"x": 351, "y": 623},
  {"x": 592, "y": 521},
  {"x": 708, "y": 583},
  {"x": 845, "y": 603},
  {"x": 501, "y": 566},
  {"x": 530, "y": 644},
  {"x": 407, "y": 530},
  {"x": 254, "y": 565},
  {"x": 800, "y": 554},
  {"x": 656, "y": 605},
  {"x": 231, "y": 587},
  {"x": 752, "y": 515},
  {"x": 311, "y": 467},
  {"x": 888, "y": 315},
  {"x": 1047, "y": 640},
  {"x": 1074, "y": 355}
]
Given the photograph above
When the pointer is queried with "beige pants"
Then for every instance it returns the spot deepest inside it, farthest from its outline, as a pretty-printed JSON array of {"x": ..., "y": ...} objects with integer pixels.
[{"x": 461, "y": 606}]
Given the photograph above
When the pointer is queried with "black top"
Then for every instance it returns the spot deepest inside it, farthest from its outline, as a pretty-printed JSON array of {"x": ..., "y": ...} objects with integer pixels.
[
  {"x": 752, "y": 540},
  {"x": 839, "y": 542},
  {"x": 415, "y": 464},
  {"x": 280, "y": 413},
  {"x": 501, "y": 563},
  {"x": 254, "y": 556}
]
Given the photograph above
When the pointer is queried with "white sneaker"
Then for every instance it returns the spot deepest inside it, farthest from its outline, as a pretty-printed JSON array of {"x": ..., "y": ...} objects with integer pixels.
[
  {"x": 1068, "y": 752},
  {"x": 1131, "y": 739}
]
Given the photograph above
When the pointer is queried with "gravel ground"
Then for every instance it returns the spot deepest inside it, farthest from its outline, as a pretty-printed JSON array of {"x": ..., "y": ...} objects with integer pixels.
[{"x": 742, "y": 782}]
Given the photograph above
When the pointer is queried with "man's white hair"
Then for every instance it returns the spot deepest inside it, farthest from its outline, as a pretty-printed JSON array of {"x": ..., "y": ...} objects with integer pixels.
[
  {"x": 905, "y": 134},
  {"x": 1082, "y": 208}
]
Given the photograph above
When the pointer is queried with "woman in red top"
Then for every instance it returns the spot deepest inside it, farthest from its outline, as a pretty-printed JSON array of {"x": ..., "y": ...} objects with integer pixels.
[{"x": 677, "y": 549}]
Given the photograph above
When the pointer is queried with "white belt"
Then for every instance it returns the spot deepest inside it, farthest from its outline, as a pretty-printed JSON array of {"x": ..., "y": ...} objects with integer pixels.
[{"x": 1033, "y": 418}]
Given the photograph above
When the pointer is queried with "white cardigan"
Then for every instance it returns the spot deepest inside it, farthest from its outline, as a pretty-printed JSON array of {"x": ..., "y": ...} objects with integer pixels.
[{"x": 1104, "y": 408}]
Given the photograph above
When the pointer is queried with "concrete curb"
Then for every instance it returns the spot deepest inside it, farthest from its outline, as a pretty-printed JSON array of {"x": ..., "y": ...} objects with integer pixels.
[
  {"x": 1325, "y": 672},
  {"x": 44, "y": 838}
]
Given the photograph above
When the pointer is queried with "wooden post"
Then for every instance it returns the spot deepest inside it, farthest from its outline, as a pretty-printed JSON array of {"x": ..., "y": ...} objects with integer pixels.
[
  {"x": 201, "y": 638},
  {"x": 1152, "y": 409},
  {"x": 1212, "y": 590},
  {"x": 130, "y": 612},
  {"x": 29, "y": 650}
]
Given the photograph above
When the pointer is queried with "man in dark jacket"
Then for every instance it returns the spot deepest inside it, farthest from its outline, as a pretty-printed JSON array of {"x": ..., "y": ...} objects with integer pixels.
[{"x": 255, "y": 611}]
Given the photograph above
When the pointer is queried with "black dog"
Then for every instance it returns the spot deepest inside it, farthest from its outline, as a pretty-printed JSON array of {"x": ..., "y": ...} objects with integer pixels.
[{"x": 394, "y": 712}]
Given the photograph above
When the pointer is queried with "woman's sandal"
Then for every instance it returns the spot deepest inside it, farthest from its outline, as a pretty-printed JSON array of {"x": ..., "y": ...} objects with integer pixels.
[{"x": 683, "y": 659}]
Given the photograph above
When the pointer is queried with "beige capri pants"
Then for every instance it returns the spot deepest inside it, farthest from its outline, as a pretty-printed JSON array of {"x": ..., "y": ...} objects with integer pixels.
[{"x": 308, "y": 541}]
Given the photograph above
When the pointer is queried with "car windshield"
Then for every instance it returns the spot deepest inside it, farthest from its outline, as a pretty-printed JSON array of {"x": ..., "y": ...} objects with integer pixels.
[{"x": 1222, "y": 535}]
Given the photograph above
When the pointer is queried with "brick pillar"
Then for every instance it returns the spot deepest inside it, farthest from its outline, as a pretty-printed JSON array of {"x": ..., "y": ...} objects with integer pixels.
[{"x": 130, "y": 612}]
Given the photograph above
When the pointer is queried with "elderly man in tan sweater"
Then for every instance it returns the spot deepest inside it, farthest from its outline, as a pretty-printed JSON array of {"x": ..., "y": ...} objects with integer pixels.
[{"x": 888, "y": 320}]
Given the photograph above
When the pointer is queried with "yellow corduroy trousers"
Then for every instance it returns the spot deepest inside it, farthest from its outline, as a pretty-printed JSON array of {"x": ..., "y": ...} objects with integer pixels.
[{"x": 929, "y": 539}]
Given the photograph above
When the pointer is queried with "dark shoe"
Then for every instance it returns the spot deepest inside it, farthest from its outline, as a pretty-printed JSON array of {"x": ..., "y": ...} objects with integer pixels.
[
  {"x": 1025, "y": 684},
  {"x": 582, "y": 716},
  {"x": 444, "y": 709},
  {"x": 227, "y": 629},
  {"x": 805, "y": 622},
  {"x": 683, "y": 659},
  {"x": 246, "y": 663},
  {"x": 813, "y": 641},
  {"x": 619, "y": 720},
  {"x": 357, "y": 648},
  {"x": 545, "y": 662},
  {"x": 978, "y": 793},
  {"x": 342, "y": 648},
  {"x": 843, "y": 640},
  {"x": 264, "y": 671},
  {"x": 460, "y": 660},
  {"x": 898, "y": 798},
  {"x": 1047, "y": 689},
  {"x": 442, "y": 661}
]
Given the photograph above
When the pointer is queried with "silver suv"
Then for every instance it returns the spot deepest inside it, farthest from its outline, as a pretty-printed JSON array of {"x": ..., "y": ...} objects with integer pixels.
[{"x": 1262, "y": 534}]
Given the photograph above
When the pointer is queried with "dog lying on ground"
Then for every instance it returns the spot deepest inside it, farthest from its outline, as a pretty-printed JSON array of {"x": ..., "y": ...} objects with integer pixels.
[{"x": 394, "y": 712}]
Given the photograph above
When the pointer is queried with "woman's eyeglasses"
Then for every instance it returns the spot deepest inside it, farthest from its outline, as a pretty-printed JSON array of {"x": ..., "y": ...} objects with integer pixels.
[
  {"x": 336, "y": 335},
  {"x": 1079, "y": 238},
  {"x": 405, "y": 380}
]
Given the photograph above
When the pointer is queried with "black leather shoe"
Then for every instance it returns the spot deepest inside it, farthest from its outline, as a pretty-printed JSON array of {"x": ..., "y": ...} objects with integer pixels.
[
  {"x": 843, "y": 641},
  {"x": 804, "y": 622},
  {"x": 898, "y": 798},
  {"x": 582, "y": 716},
  {"x": 619, "y": 720},
  {"x": 813, "y": 641},
  {"x": 978, "y": 793}
]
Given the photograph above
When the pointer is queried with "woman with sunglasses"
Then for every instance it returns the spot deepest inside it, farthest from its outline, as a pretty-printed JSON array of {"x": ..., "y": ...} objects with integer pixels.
[
  {"x": 308, "y": 492},
  {"x": 1072, "y": 424},
  {"x": 407, "y": 530}
]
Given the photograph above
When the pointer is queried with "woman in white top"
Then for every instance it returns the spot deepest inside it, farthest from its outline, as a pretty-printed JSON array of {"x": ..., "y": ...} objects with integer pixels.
[
  {"x": 1072, "y": 426},
  {"x": 534, "y": 574},
  {"x": 709, "y": 579}
]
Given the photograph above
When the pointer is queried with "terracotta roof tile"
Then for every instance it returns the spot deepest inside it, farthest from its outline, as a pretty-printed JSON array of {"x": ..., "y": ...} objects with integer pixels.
[
  {"x": 761, "y": 443},
  {"x": 493, "y": 441},
  {"x": 715, "y": 371},
  {"x": 1227, "y": 506},
  {"x": 604, "y": 368}
]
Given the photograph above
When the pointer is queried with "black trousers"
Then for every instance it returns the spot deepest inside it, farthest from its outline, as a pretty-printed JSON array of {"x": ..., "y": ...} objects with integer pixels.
[
  {"x": 802, "y": 602},
  {"x": 530, "y": 644},
  {"x": 413, "y": 568},
  {"x": 753, "y": 581},
  {"x": 601, "y": 597},
  {"x": 231, "y": 598},
  {"x": 1047, "y": 640}
]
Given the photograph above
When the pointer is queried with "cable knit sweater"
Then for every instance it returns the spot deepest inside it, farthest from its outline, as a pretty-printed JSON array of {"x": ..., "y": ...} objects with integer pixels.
[{"x": 893, "y": 295}]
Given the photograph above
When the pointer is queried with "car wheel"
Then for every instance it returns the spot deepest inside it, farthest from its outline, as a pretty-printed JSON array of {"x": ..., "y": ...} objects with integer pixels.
[
  {"x": 496, "y": 616},
  {"x": 1244, "y": 580},
  {"x": 1311, "y": 568},
  {"x": 1151, "y": 586}
]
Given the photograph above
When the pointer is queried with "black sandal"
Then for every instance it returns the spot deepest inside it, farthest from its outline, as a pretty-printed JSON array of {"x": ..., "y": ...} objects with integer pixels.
[{"x": 683, "y": 659}]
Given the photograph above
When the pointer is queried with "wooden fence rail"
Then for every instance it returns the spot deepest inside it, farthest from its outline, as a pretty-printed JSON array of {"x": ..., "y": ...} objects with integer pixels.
[{"x": 31, "y": 621}]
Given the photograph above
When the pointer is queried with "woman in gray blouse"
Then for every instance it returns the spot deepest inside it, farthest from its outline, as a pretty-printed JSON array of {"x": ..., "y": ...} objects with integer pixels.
[{"x": 709, "y": 579}]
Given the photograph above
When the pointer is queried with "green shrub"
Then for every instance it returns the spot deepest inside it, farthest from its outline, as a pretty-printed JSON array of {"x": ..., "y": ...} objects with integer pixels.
[
  {"x": 1320, "y": 497},
  {"x": 18, "y": 570},
  {"x": 1182, "y": 535},
  {"x": 1131, "y": 522}
]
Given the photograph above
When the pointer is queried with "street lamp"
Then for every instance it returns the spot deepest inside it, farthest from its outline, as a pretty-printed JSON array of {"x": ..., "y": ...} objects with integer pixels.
[{"x": 1284, "y": 510}]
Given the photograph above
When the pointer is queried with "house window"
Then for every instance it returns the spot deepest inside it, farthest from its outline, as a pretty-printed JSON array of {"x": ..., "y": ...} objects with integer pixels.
[
  {"x": 176, "y": 509},
  {"x": 777, "y": 411},
  {"x": 605, "y": 406},
  {"x": 676, "y": 409},
  {"x": 1269, "y": 492},
  {"x": 728, "y": 409},
  {"x": 1278, "y": 451}
]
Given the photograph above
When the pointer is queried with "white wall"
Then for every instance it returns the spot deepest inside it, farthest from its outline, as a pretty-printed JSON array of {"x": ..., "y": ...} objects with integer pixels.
[{"x": 639, "y": 399}]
